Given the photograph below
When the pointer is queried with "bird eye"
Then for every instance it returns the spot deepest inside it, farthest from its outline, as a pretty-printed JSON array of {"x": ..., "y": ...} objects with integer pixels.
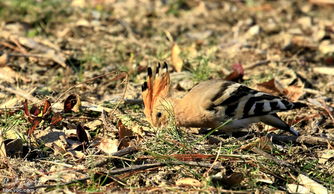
[{"x": 159, "y": 114}]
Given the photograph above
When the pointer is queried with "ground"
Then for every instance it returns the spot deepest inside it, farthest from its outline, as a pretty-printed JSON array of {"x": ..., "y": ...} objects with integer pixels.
[{"x": 71, "y": 114}]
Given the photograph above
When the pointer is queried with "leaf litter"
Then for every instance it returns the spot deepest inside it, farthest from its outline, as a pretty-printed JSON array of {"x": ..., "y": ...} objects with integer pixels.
[{"x": 71, "y": 112}]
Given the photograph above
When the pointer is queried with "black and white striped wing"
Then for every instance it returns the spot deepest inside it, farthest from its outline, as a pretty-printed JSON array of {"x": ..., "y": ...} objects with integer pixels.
[{"x": 239, "y": 102}]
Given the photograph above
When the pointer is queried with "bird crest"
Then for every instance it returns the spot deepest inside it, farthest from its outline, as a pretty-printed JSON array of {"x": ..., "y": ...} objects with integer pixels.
[{"x": 156, "y": 87}]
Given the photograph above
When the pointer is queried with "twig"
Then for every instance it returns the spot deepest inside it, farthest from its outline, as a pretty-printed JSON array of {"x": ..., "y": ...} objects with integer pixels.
[
  {"x": 118, "y": 75},
  {"x": 304, "y": 139},
  {"x": 264, "y": 62},
  {"x": 19, "y": 92},
  {"x": 125, "y": 151},
  {"x": 279, "y": 139},
  {"x": 270, "y": 157},
  {"x": 217, "y": 157},
  {"x": 135, "y": 168},
  {"x": 314, "y": 140}
]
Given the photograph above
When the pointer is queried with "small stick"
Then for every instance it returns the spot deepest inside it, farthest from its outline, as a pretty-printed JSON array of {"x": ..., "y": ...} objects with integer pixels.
[
  {"x": 270, "y": 157},
  {"x": 134, "y": 168},
  {"x": 125, "y": 151}
]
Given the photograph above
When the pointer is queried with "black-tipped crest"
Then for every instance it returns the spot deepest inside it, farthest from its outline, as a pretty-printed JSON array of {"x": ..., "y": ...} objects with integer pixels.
[
  {"x": 156, "y": 88},
  {"x": 144, "y": 86},
  {"x": 165, "y": 65},
  {"x": 158, "y": 68},
  {"x": 149, "y": 71}
]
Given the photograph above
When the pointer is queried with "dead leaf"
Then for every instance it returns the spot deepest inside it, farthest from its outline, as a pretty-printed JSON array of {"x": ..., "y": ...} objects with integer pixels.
[
  {"x": 293, "y": 93},
  {"x": 293, "y": 188},
  {"x": 14, "y": 147},
  {"x": 44, "y": 50},
  {"x": 177, "y": 62},
  {"x": 188, "y": 182},
  {"x": 3, "y": 152},
  {"x": 9, "y": 75},
  {"x": 263, "y": 143},
  {"x": 35, "y": 124},
  {"x": 124, "y": 135},
  {"x": 311, "y": 184},
  {"x": 81, "y": 134},
  {"x": 271, "y": 87},
  {"x": 3, "y": 59},
  {"x": 109, "y": 146},
  {"x": 233, "y": 180},
  {"x": 324, "y": 70},
  {"x": 72, "y": 103},
  {"x": 123, "y": 131},
  {"x": 46, "y": 108},
  {"x": 56, "y": 118},
  {"x": 323, "y": 2},
  {"x": 237, "y": 74},
  {"x": 274, "y": 87},
  {"x": 325, "y": 156}
]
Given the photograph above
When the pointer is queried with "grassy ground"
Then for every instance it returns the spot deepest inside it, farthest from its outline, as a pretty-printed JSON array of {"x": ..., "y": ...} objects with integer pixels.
[{"x": 91, "y": 57}]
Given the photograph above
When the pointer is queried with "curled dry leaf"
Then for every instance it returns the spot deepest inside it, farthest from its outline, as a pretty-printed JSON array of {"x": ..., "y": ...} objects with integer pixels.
[
  {"x": 311, "y": 184},
  {"x": 123, "y": 131},
  {"x": 293, "y": 188},
  {"x": 72, "y": 103},
  {"x": 237, "y": 74},
  {"x": 34, "y": 110},
  {"x": 81, "y": 134},
  {"x": 233, "y": 180},
  {"x": 324, "y": 70},
  {"x": 109, "y": 146},
  {"x": 35, "y": 123},
  {"x": 325, "y": 156},
  {"x": 37, "y": 114},
  {"x": 26, "y": 109},
  {"x": 274, "y": 87},
  {"x": 9, "y": 75},
  {"x": 177, "y": 62},
  {"x": 3, "y": 59},
  {"x": 263, "y": 143},
  {"x": 46, "y": 108},
  {"x": 188, "y": 182},
  {"x": 124, "y": 135},
  {"x": 3, "y": 152},
  {"x": 14, "y": 147},
  {"x": 56, "y": 118}
]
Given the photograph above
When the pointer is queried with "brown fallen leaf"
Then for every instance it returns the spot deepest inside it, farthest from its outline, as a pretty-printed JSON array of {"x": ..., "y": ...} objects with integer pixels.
[
  {"x": 188, "y": 182},
  {"x": 274, "y": 87},
  {"x": 14, "y": 147},
  {"x": 9, "y": 75},
  {"x": 293, "y": 93},
  {"x": 233, "y": 180},
  {"x": 72, "y": 103},
  {"x": 81, "y": 134},
  {"x": 237, "y": 74},
  {"x": 177, "y": 62},
  {"x": 108, "y": 145},
  {"x": 3, "y": 152},
  {"x": 263, "y": 143},
  {"x": 3, "y": 59},
  {"x": 56, "y": 118},
  {"x": 311, "y": 184},
  {"x": 124, "y": 135},
  {"x": 35, "y": 124},
  {"x": 324, "y": 70}
]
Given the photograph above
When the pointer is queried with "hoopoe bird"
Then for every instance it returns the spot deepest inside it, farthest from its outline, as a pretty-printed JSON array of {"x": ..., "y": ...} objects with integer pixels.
[{"x": 211, "y": 103}]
